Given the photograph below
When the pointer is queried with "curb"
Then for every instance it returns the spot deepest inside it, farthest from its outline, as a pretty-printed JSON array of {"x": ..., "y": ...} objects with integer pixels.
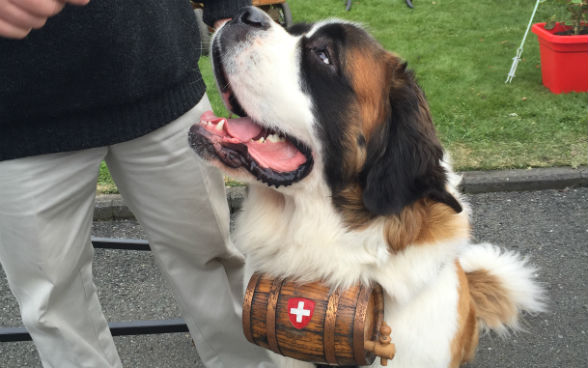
[
  {"x": 523, "y": 179},
  {"x": 112, "y": 207}
]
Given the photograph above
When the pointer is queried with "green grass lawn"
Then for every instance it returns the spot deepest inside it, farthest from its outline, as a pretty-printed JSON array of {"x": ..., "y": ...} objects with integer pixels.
[{"x": 461, "y": 52}]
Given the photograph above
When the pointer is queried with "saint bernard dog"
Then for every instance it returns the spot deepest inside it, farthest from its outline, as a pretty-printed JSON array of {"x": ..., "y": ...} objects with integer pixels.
[{"x": 348, "y": 183}]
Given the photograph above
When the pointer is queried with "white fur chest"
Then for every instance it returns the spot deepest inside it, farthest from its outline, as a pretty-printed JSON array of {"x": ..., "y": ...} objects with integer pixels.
[{"x": 303, "y": 237}]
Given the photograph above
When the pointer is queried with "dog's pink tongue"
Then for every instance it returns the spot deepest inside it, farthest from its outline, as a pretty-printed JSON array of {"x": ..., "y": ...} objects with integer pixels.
[
  {"x": 242, "y": 128},
  {"x": 280, "y": 156}
]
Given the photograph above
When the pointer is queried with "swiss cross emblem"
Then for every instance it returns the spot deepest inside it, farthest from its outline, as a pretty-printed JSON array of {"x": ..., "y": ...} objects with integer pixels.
[{"x": 300, "y": 311}]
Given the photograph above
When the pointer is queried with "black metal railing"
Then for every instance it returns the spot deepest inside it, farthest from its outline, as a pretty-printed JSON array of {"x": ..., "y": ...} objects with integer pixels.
[{"x": 140, "y": 327}]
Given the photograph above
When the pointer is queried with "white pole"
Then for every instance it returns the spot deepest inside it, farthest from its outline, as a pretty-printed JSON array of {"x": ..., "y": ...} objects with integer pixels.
[{"x": 517, "y": 58}]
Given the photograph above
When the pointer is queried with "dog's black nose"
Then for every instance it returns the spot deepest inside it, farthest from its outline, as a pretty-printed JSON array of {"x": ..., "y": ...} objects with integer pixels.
[{"x": 254, "y": 17}]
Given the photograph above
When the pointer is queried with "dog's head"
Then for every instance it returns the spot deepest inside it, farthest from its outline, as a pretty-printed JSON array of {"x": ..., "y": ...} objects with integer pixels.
[{"x": 322, "y": 101}]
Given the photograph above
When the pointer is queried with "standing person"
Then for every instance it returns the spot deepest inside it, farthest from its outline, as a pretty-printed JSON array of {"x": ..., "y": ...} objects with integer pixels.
[{"x": 116, "y": 81}]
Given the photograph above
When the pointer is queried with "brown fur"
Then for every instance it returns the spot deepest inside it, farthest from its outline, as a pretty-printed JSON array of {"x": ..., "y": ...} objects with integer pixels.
[
  {"x": 352, "y": 209},
  {"x": 465, "y": 341},
  {"x": 492, "y": 301},
  {"x": 425, "y": 222},
  {"x": 370, "y": 76}
]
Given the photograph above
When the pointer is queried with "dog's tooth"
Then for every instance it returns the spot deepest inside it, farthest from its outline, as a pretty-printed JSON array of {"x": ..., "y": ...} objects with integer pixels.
[
  {"x": 274, "y": 138},
  {"x": 220, "y": 125},
  {"x": 261, "y": 140}
]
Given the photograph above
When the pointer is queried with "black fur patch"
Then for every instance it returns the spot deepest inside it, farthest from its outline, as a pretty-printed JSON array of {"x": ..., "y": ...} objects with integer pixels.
[
  {"x": 403, "y": 162},
  {"x": 331, "y": 92},
  {"x": 299, "y": 29}
]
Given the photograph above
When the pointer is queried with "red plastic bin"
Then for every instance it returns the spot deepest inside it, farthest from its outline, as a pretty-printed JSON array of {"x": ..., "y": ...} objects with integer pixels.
[{"x": 564, "y": 59}]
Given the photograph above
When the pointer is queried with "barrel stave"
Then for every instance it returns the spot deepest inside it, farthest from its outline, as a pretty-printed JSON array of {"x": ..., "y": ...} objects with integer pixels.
[
  {"x": 344, "y": 328},
  {"x": 305, "y": 344},
  {"x": 259, "y": 312}
]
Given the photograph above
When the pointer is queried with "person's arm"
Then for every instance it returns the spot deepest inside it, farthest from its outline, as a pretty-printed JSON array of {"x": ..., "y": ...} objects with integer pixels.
[{"x": 19, "y": 17}]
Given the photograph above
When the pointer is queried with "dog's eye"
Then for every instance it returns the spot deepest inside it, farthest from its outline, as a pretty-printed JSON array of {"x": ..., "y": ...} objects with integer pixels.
[{"x": 324, "y": 56}]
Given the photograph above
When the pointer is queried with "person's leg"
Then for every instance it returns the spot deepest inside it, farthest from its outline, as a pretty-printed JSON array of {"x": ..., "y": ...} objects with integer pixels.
[
  {"x": 46, "y": 207},
  {"x": 182, "y": 205}
]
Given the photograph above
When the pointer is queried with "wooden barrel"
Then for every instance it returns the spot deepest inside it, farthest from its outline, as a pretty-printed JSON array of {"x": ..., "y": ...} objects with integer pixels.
[{"x": 311, "y": 322}]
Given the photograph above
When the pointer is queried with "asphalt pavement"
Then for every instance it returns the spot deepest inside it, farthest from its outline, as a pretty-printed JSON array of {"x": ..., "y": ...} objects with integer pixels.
[{"x": 549, "y": 226}]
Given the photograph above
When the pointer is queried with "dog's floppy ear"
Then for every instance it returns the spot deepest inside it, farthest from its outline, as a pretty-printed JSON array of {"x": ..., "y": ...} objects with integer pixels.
[{"x": 403, "y": 162}]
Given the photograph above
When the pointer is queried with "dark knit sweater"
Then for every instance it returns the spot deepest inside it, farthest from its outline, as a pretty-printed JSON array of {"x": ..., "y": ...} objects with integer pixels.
[{"x": 101, "y": 74}]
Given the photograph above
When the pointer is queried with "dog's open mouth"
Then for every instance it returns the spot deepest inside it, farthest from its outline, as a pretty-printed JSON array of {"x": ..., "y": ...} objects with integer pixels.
[{"x": 272, "y": 157}]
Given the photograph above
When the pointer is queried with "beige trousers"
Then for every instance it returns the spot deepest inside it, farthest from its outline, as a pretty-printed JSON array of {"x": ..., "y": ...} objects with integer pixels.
[{"x": 46, "y": 206}]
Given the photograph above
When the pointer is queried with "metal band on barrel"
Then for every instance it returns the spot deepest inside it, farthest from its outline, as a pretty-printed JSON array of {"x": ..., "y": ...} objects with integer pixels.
[
  {"x": 329, "y": 333},
  {"x": 358, "y": 332},
  {"x": 248, "y": 299},
  {"x": 271, "y": 315}
]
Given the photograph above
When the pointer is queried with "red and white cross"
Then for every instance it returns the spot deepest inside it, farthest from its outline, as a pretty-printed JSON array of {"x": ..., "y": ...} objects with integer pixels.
[{"x": 300, "y": 311}]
